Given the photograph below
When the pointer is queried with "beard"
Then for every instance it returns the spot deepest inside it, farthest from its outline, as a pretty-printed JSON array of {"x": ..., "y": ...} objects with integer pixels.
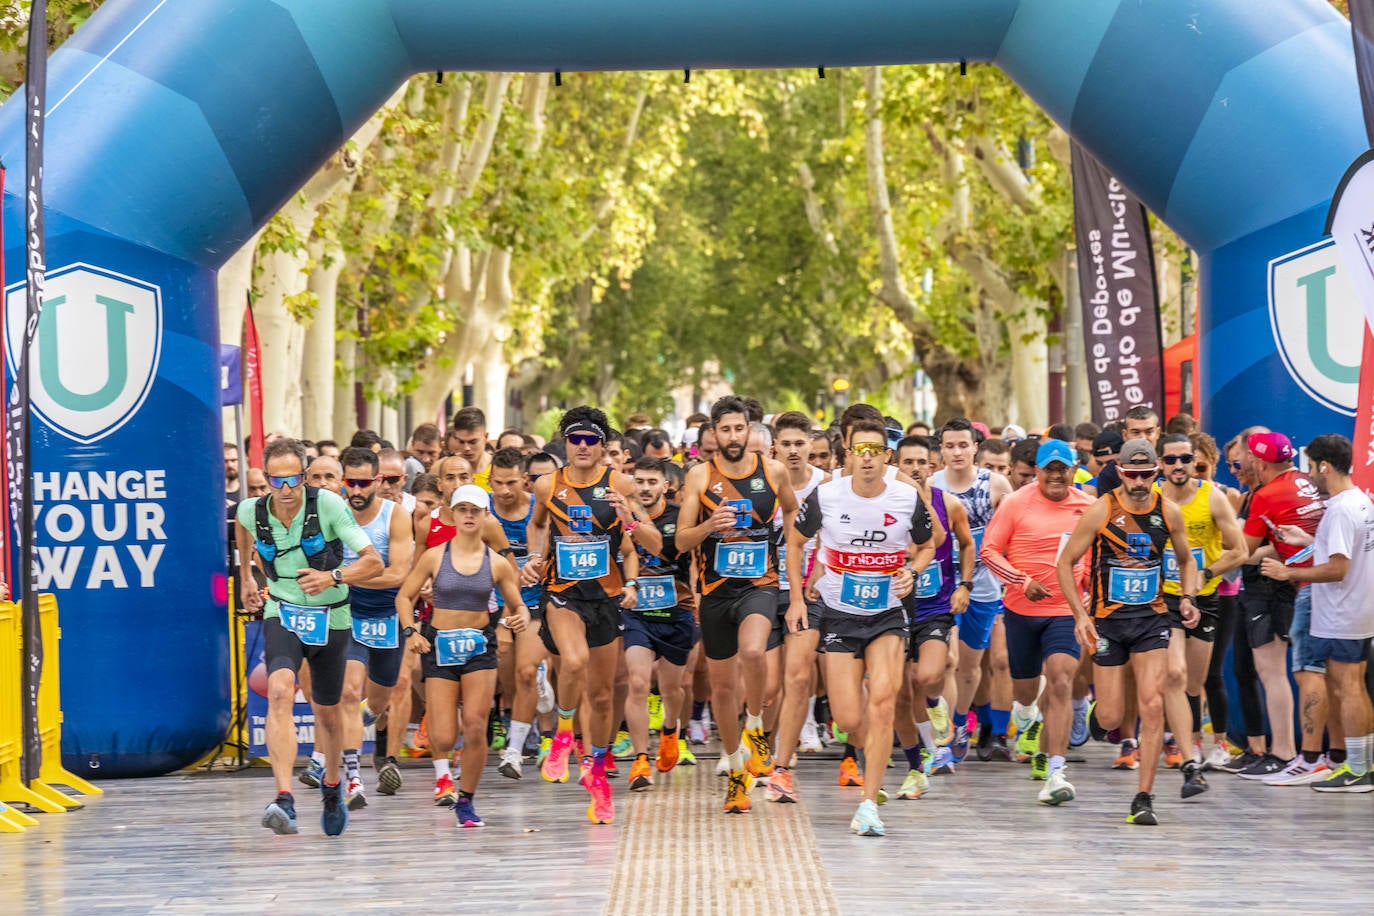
[
  {"x": 361, "y": 503},
  {"x": 732, "y": 453}
]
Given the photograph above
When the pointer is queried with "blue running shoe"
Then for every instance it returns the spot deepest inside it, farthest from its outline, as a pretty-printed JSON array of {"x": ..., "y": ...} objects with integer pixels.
[
  {"x": 1079, "y": 734},
  {"x": 369, "y": 717},
  {"x": 280, "y": 816},
  {"x": 313, "y": 775},
  {"x": 959, "y": 746},
  {"x": 943, "y": 762},
  {"x": 334, "y": 818},
  {"x": 467, "y": 815},
  {"x": 866, "y": 821}
]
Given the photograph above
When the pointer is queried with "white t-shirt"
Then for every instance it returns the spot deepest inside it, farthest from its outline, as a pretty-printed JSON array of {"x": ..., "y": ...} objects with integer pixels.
[{"x": 1345, "y": 609}]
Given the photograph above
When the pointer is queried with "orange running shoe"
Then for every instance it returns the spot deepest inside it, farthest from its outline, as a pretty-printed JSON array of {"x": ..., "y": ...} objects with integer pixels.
[
  {"x": 1129, "y": 758},
  {"x": 737, "y": 795},
  {"x": 602, "y": 808},
  {"x": 667, "y": 753},
  {"x": 641, "y": 774},
  {"x": 445, "y": 795},
  {"x": 849, "y": 773},
  {"x": 419, "y": 745},
  {"x": 780, "y": 787},
  {"x": 760, "y": 762},
  {"x": 1173, "y": 754}
]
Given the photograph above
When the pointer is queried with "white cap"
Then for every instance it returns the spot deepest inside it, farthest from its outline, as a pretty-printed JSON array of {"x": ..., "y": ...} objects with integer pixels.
[
  {"x": 1012, "y": 431},
  {"x": 471, "y": 494},
  {"x": 689, "y": 436}
]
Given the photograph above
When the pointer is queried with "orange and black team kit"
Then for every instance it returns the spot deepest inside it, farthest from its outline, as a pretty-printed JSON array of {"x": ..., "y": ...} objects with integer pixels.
[
  {"x": 737, "y": 569},
  {"x": 582, "y": 571},
  {"x": 1127, "y": 572}
]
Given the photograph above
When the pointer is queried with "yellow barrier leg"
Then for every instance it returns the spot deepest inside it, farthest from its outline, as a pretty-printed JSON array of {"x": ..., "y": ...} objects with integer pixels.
[
  {"x": 53, "y": 774},
  {"x": 55, "y": 796},
  {"x": 12, "y": 821},
  {"x": 15, "y": 792}
]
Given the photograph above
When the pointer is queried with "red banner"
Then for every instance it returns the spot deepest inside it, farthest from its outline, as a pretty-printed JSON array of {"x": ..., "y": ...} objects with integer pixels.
[
  {"x": 252, "y": 380},
  {"x": 1362, "y": 467}
]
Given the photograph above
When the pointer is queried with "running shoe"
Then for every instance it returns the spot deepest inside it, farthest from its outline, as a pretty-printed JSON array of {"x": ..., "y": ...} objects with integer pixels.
[
  {"x": 1173, "y": 754},
  {"x": 706, "y": 722},
  {"x": 866, "y": 821},
  {"x": 280, "y": 816},
  {"x": 313, "y": 774},
  {"x": 467, "y": 814},
  {"x": 942, "y": 763},
  {"x": 780, "y": 788},
  {"x": 334, "y": 817},
  {"x": 915, "y": 785},
  {"x": 355, "y": 795},
  {"x": 668, "y": 752},
  {"x": 696, "y": 732},
  {"x": 810, "y": 741},
  {"x": 1241, "y": 761},
  {"x": 1267, "y": 765},
  {"x": 1057, "y": 789},
  {"x": 838, "y": 736},
  {"x": 849, "y": 773},
  {"x": 1218, "y": 758},
  {"x": 1028, "y": 742},
  {"x": 1095, "y": 727},
  {"x": 737, "y": 794},
  {"x": 655, "y": 712},
  {"x": 998, "y": 750},
  {"x": 1079, "y": 733},
  {"x": 959, "y": 746},
  {"x": 623, "y": 746},
  {"x": 602, "y": 807},
  {"x": 1040, "y": 766},
  {"x": 984, "y": 745},
  {"x": 684, "y": 754},
  {"x": 1194, "y": 783},
  {"x": 545, "y": 745},
  {"x": 760, "y": 762},
  {"x": 546, "y": 701},
  {"x": 555, "y": 768},
  {"x": 1342, "y": 779},
  {"x": 939, "y": 722},
  {"x": 586, "y": 767},
  {"x": 420, "y": 745},
  {"x": 389, "y": 777},
  {"x": 641, "y": 774},
  {"x": 1129, "y": 758},
  {"x": 1142, "y": 810},
  {"x": 512, "y": 764},
  {"x": 369, "y": 717},
  {"x": 612, "y": 771},
  {"x": 1299, "y": 773},
  {"x": 444, "y": 792},
  {"x": 497, "y": 730},
  {"x": 723, "y": 764}
]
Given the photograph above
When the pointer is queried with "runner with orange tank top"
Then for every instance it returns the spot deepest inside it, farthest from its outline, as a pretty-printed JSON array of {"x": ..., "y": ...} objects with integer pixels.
[
  {"x": 584, "y": 516},
  {"x": 727, "y": 509}
]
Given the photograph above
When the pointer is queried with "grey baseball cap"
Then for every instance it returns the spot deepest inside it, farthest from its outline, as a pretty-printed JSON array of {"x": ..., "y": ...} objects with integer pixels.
[{"x": 1137, "y": 453}]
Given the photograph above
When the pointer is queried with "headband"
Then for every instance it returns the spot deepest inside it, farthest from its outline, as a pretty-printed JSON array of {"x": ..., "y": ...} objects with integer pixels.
[{"x": 585, "y": 426}]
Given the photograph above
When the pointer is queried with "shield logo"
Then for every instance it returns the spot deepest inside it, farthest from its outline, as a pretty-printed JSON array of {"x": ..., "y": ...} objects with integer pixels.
[
  {"x": 95, "y": 353},
  {"x": 1316, "y": 319}
]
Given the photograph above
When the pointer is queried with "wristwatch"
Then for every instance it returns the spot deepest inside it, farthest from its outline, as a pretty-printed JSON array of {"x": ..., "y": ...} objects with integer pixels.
[
  {"x": 965, "y": 583},
  {"x": 1192, "y": 598},
  {"x": 1206, "y": 574},
  {"x": 632, "y": 583},
  {"x": 337, "y": 576},
  {"x": 408, "y": 632}
]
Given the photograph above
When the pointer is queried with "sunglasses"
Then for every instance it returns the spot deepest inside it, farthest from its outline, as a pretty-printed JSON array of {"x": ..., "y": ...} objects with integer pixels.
[
  {"x": 292, "y": 481},
  {"x": 1177, "y": 459},
  {"x": 1233, "y": 465},
  {"x": 583, "y": 439},
  {"x": 1140, "y": 473},
  {"x": 391, "y": 479},
  {"x": 358, "y": 483},
  {"x": 868, "y": 449}
]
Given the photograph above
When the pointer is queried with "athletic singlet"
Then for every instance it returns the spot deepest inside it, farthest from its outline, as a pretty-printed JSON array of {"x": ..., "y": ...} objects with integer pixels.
[
  {"x": 935, "y": 584},
  {"x": 1128, "y": 559},
  {"x": 517, "y": 534},
  {"x": 374, "y": 602},
  {"x": 439, "y": 533},
  {"x": 667, "y": 562},
  {"x": 731, "y": 551},
  {"x": 977, "y": 501},
  {"x": 817, "y": 475},
  {"x": 1204, "y": 537},
  {"x": 584, "y": 543},
  {"x": 454, "y": 591},
  {"x": 863, "y": 541}
]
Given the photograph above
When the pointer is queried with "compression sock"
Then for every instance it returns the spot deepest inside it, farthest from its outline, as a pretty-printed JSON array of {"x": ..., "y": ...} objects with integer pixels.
[
  {"x": 913, "y": 756},
  {"x": 519, "y": 731},
  {"x": 565, "y": 718},
  {"x": 984, "y": 713},
  {"x": 698, "y": 707},
  {"x": 1000, "y": 719},
  {"x": 599, "y": 760},
  {"x": 351, "y": 768},
  {"x": 1195, "y": 706}
]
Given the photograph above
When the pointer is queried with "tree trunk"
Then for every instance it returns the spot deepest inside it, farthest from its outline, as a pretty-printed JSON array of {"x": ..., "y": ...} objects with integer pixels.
[{"x": 317, "y": 364}]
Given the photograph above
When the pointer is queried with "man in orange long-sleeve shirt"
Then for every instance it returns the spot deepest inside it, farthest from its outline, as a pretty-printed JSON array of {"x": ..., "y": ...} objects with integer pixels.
[{"x": 1021, "y": 545}]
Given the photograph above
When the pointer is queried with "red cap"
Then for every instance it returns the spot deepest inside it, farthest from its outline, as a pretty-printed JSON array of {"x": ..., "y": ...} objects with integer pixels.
[
  {"x": 982, "y": 428},
  {"x": 1273, "y": 448}
]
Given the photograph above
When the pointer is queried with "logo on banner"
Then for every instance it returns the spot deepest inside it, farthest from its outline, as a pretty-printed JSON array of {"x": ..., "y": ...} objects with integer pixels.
[
  {"x": 96, "y": 350},
  {"x": 1318, "y": 324}
]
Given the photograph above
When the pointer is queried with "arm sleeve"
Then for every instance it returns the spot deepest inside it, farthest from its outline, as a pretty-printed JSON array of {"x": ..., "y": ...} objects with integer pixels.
[
  {"x": 921, "y": 528},
  {"x": 809, "y": 519}
]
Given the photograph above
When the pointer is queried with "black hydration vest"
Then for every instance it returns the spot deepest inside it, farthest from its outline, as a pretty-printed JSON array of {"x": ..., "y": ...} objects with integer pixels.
[{"x": 319, "y": 553}]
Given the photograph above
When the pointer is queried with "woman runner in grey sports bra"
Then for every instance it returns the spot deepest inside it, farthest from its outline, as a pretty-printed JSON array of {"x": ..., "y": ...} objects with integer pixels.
[{"x": 457, "y": 645}]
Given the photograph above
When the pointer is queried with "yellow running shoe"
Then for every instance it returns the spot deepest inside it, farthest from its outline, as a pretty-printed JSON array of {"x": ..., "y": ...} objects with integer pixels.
[
  {"x": 760, "y": 762},
  {"x": 655, "y": 712}
]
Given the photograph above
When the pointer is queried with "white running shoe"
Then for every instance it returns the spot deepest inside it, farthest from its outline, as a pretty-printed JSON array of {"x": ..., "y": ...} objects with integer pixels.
[
  {"x": 547, "y": 701},
  {"x": 706, "y": 721},
  {"x": 696, "y": 732},
  {"x": 1057, "y": 789},
  {"x": 354, "y": 795},
  {"x": 1218, "y": 758},
  {"x": 511, "y": 763},
  {"x": 1299, "y": 773},
  {"x": 810, "y": 737}
]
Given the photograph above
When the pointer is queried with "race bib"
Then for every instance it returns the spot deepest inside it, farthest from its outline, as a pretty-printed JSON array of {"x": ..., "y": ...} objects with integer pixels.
[
  {"x": 378, "y": 633},
  {"x": 741, "y": 559},
  {"x": 310, "y": 624},
  {"x": 1132, "y": 586},
  {"x": 866, "y": 591},
  {"x": 977, "y": 543},
  {"x": 656, "y": 593},
  {"x": 458, "y": 647},
  {"x": 929, "y": 582},
  {"x": 1171, "y": 563},
  {"x": 583, "y": 559}
]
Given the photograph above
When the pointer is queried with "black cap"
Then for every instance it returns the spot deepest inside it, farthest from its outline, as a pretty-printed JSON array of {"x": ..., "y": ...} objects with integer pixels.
[{"x": 1107, "y": 442}]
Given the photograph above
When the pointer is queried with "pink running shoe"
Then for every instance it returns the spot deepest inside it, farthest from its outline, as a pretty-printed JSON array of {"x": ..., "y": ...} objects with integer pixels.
[{"x": 555, "y": 768}]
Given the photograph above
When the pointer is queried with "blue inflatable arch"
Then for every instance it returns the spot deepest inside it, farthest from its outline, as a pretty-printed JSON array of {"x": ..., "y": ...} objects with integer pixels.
[{"x": 176, "y": 129}]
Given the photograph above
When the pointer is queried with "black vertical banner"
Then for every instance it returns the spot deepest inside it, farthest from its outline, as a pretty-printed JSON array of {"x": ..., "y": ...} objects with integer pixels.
[
  {"x": 1116, "y": 274},
  {"x": 17, "y": 410},
  {"x": 1362, "y": 25}
]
